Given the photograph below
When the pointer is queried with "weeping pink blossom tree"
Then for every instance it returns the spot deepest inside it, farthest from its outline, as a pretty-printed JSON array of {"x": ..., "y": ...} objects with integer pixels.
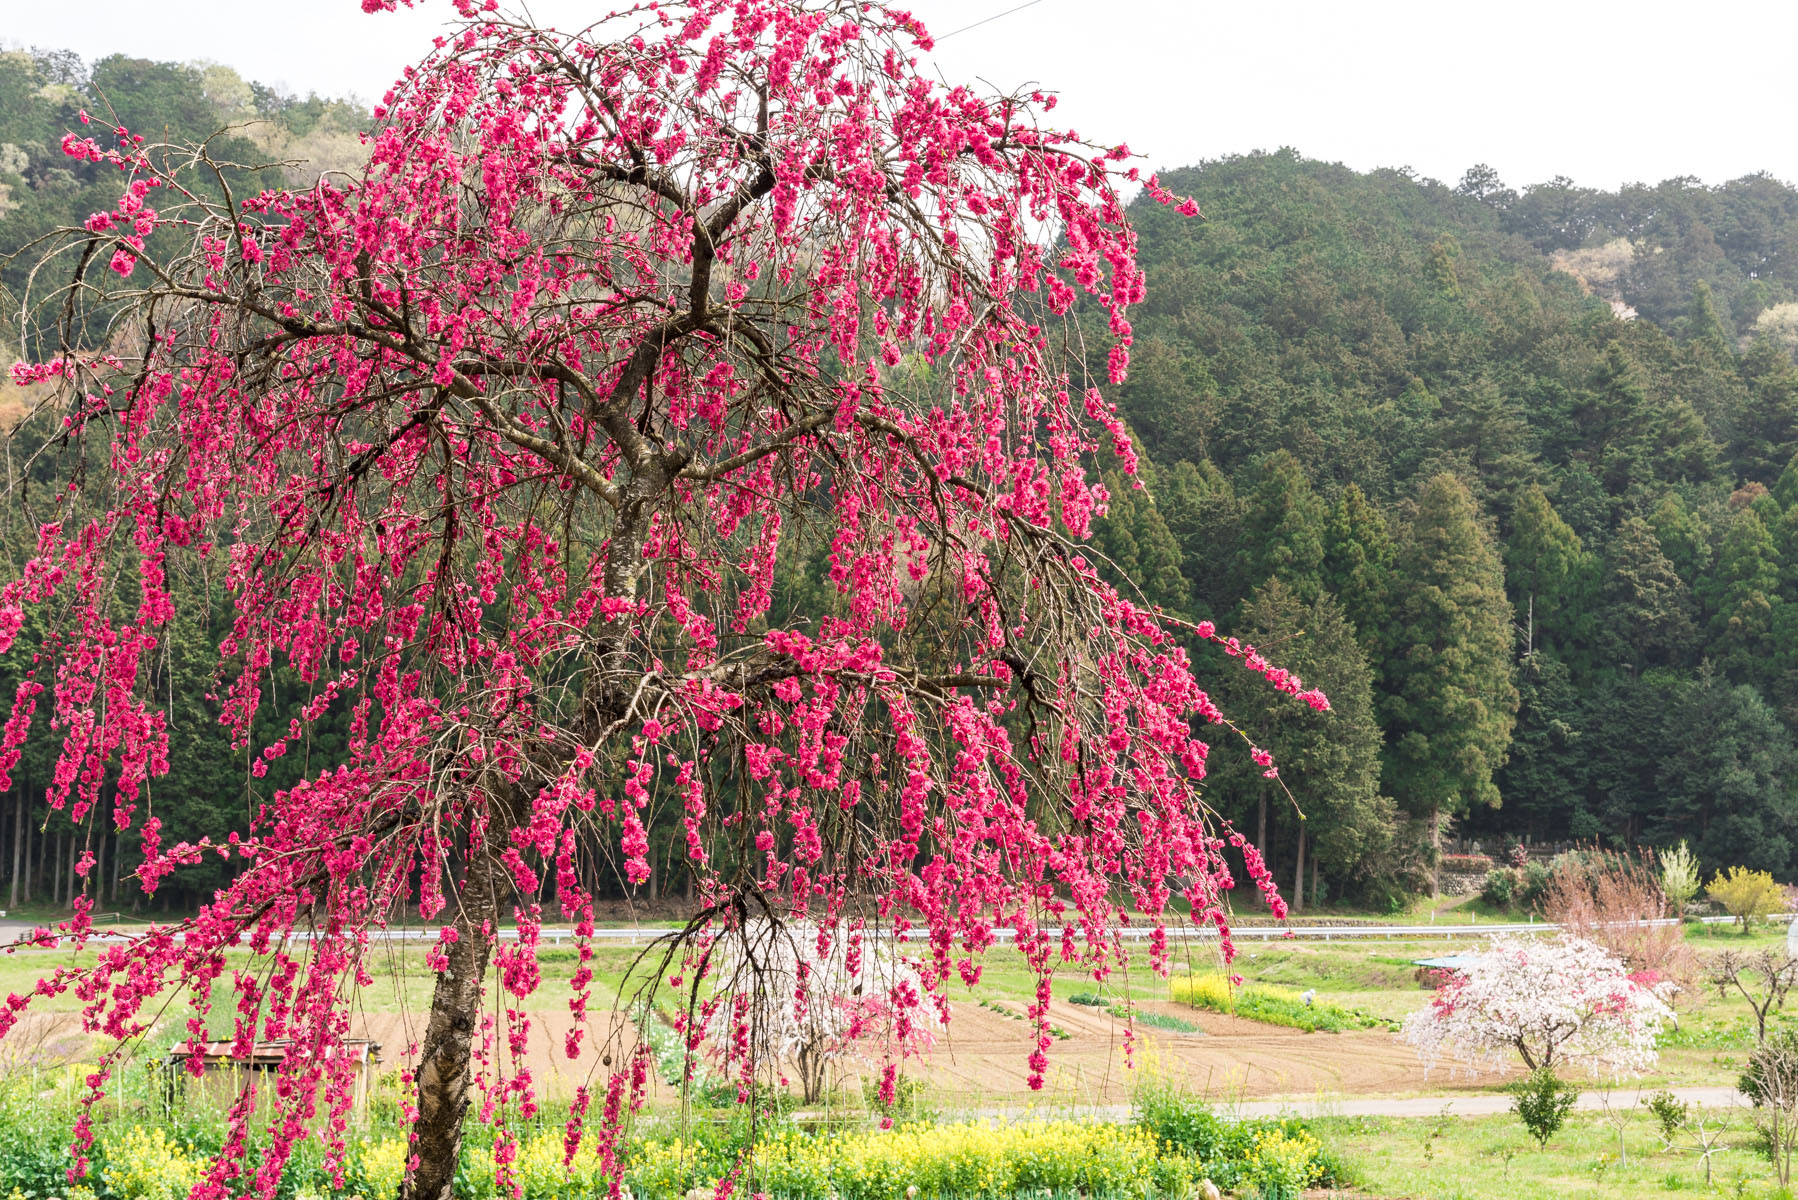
[
  {"x": 507, "y": 449},
  {"x": 1549, "y": 1002}
]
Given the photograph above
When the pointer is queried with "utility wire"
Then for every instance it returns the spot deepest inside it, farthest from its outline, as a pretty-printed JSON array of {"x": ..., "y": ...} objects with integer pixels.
[{"x": 987, "y": 20}]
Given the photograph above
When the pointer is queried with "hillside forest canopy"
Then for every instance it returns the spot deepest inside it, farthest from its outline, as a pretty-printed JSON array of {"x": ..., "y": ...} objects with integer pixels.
[{"x": 1379, "y": 416}]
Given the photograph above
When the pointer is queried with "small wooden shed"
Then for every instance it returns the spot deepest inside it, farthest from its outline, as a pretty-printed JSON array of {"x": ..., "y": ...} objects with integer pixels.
[{"x": 223, "y": 1073}]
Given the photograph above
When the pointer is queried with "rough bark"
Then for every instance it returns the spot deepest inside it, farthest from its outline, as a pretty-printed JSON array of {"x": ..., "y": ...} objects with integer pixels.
[
  {"x": 443, "y": 1066},
  {"x": 18, "y": 847},
  {"x": 1298, "y": 876},
  {"x": 1436, "y": 851}
]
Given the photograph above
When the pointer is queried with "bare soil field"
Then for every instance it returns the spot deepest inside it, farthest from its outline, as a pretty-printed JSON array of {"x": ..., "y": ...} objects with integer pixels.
[
  {"x": 983, "y": 1054},
  {"x": 979, "y": 1061}
]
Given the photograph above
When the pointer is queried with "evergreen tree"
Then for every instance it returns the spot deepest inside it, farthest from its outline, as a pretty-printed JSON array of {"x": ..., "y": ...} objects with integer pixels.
[
  {"x": 1205, "y": 518},
  {"x": 1284, "y": 526},
  {"x": 1702, "y": 322},
  {"x": 1725, "y": 777},
  {"x": 1624, "y": 722},
  {"x": 1741, "y": 596},
  {"x": 1549, "y": 573},
  {"x": 1785, "y": 490},
  {"x": 1452, "y": 703},
  {"x": 1328, "y": 760},
  {"x": 1681, "y": 537},
  {"x": 1357, "y": 566},
  {"x": 1648, "y": 616},
  {"x": 1765, "y": 430},
  {"x": 1135, "y": 538},
  {"x": 1543, "y": 779}
]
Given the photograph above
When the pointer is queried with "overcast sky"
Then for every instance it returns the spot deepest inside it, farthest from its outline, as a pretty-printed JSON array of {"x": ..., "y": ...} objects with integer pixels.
[{"x": 1603, "y": 92}]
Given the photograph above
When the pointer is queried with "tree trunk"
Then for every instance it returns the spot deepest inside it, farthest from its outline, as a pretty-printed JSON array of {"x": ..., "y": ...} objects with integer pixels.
[
  {"x": 18, "y": 848},
  {"x": 1436, "y": 851},
  {"x": 1298, "y": 875},
  {"x": 56, "y": 879},
  {"x": 1261, "y": 825},
  {"x": 1314, "y": 877},
  {"x": 443, "y": 1065}
]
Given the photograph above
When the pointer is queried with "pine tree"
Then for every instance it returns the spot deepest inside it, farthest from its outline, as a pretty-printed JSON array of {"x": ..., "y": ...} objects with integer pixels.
[
  {"x": 1785, "y": 490},
  {"x": 1205, "y": 518},
  {"x": 1724, "y": 779},
  {"x": 1452, "y": 702},
  {"x": 1765, "y": 430},
  {"x": 1614, "y": 421},
  {"x": 1681, "y": 537}
]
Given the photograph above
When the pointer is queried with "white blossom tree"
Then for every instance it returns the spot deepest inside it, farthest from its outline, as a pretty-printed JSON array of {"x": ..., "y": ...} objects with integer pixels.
[
  {"x": 804, "y": 996},
  {"x": 1551, "y": 1003}
]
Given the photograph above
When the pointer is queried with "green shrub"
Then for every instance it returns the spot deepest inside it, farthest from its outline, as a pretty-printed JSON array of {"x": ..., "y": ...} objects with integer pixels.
[
  {"x": 1233, "y": 1154},
  {"x": 1669, "y": 1112},
  {"x": 1541, "y": 1103},
  {"x": 1533, "y": 887},
  {"x": 1500, "y": 888},
  {"x": 1089, "y": 1000}
]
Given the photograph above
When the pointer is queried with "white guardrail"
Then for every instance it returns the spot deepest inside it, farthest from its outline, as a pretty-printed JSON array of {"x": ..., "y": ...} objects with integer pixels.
[{"x": 1433, "y": 932}]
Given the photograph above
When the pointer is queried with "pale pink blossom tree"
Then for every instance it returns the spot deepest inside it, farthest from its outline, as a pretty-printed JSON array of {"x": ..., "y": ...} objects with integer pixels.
[
  {"x": 1550, "y": 1002},
  {"x": 502, "y": 446},
  {"x": 798, "y": 996}
]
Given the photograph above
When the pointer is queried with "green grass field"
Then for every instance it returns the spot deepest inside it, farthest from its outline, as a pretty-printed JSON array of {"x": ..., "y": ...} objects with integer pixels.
[{"x": 1492, "y": 1158}]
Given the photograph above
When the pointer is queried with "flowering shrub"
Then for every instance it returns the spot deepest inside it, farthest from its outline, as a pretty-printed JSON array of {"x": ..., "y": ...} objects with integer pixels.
[
  {"x": 1550, "y": 1001},
  {"x": 145, "y": 1164},
  {"x": 1283, "y": 1164},
  {"x": 1616, "y": 900},
  {"x": 1746, "y": 895}
]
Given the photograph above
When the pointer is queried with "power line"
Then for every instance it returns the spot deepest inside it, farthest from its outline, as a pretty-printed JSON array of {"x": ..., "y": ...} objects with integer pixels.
[{"x": 994, "y": 17}]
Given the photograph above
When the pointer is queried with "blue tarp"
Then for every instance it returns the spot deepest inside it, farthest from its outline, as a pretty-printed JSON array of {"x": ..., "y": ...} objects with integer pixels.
[{"x": 1448, "y": 962}]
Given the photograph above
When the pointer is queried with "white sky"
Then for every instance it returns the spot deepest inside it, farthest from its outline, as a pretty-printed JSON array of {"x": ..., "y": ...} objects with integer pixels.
[{"x": 1604, "y": 92}]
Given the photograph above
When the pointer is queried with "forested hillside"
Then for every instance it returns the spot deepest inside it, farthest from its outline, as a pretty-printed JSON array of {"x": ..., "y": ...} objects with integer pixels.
[
  {"x": 1509, "y": 473},
  {"x": 1535, "y": 449}
]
